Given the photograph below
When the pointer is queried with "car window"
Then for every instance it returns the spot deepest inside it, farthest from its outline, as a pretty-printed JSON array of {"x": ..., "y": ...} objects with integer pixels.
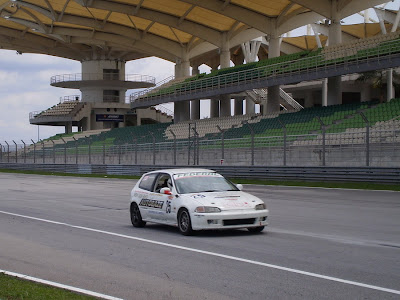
[
  {"x": 163, "y": 180},
  {"x": 147, "y": 181},
  {"x": 202, "y": 182}
]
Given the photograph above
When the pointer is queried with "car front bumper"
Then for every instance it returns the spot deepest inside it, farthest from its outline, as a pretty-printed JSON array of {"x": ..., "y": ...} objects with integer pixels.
[{"x": 230, "y": 219}]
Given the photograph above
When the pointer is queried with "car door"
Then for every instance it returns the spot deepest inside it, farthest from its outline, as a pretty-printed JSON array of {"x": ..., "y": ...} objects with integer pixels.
[
  {"x": 143, "y": 195},
  {"x": 162, "y": 202}
]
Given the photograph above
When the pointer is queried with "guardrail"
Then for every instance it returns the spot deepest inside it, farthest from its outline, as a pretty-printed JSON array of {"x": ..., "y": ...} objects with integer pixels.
[
  {"x": 373, "y": 175},
  {"x": 101, "y": 76}
]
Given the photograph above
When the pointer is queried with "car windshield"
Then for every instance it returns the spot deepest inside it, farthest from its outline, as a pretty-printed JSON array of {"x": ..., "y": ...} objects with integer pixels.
[{"x": 202, "y": 182}]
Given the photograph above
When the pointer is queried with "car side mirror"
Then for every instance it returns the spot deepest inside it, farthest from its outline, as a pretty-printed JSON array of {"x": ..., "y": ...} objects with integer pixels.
[
  {"x": 166, "y": 191},
  {"x": 239, "y": 186}
]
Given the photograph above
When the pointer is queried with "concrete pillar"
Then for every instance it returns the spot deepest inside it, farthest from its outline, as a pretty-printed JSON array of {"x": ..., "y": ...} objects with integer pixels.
[
  {"x": 273, "y": 91},
  {"x": 195, "y": 104},
  {"x": 238, "y": 106},
  {"x": 68, "y": 127},
  {"x": 250, "y": 52},
  {"x": 335, "y": 37},
  {"x": 325, "y": 92},
  {"x": 250, "y": 106},
  {"x": 389, "y": 87},
  {"x": 214, "y": 107},
  {"x": 182, "y": 108},
  {"x": 225, "y": 62},
  {"x": 195, "y": 109}
]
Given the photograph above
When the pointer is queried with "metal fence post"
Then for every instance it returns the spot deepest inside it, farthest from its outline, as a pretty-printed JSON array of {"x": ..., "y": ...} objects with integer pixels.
[
  {"x": 119, "y": 154},
  {"x": 104, "y": 153},
  {"x": 90, "y": 149},
  {"x": 8, "y": 152},
  {"x": 252, "y": 140},
  {"x": 367, "y": 146},
  {"x": 196, "y": 147},
  {"x": 34, "y": 151},
  {"x": 24, "y": 151},
  {"x": 1, "y": 152},
  {"x": 284, "y": 141},
  {"x": 44, "y": 156},
  {"x": 16, "y": 152},
  {"x": 54, "y": 152},
  {"x": 154, "y": 147},
  {"x": 136, "y": 149},
  {"x": 174, "y": 146},
  {"x": 76, "y": 150},
  {"x": 65, "y": 151},
  {"x": 222, "y": 142},
  {"x": 323, "y": 129}
]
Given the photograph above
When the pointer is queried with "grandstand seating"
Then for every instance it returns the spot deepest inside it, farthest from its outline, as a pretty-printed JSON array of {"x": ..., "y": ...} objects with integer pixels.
[
  {"x": 60, "y": 109},
  {"x": 361, "y": 49}
]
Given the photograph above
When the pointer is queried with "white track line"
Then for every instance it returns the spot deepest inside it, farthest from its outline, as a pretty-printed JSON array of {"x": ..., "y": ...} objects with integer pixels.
[
  {"x": 253, "y": 262},
  {"x": 59, "y": 285}
]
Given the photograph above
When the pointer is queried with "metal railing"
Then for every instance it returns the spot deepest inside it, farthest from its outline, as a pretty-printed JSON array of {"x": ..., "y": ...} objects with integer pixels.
[
  {"x": 139, "y": 94},
  {"x": 101, "y": 76}
]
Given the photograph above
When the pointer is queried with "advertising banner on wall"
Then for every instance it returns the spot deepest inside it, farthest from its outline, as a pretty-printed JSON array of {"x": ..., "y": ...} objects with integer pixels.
[{"x": 109, "y": 118}]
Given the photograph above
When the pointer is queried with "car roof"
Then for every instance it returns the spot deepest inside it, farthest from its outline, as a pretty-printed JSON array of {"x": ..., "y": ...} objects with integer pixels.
[{"x": 180, "y": 171}]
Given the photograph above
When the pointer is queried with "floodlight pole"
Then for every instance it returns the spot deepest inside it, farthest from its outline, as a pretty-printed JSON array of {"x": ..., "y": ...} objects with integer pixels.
[
  {"x": 24, "y": 151},
  {"x": 323, "y": 128},
  {"x": 16, "y": 152},
  {"x": 34, "y": 151},
  {"x": 174, "y": 146}
]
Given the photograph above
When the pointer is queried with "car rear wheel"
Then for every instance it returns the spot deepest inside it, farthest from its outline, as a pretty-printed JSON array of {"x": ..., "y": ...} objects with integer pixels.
[
  {"x": 256, "y": 229},
  {"x": 184, "y": 222},
  {"x": 136, "y": 217}
]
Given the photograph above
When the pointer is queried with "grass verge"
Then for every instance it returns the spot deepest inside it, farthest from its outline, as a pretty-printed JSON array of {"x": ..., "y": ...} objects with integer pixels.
[
  {"x": 343, "y": 185},
  {"x": 13, "y": 288}
]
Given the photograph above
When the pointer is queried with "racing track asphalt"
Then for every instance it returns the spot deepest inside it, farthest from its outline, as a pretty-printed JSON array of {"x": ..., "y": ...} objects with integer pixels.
[{"x": 76, "y": 231}]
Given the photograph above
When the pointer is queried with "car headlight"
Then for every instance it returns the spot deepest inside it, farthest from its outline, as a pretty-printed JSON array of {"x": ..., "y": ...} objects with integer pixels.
[
  {"x": 261, "y": 206},
  {"x": 207, "y": 209}
]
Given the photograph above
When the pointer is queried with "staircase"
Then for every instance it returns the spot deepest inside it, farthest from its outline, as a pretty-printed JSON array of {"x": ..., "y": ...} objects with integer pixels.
[{"x": 286, "y": 101}]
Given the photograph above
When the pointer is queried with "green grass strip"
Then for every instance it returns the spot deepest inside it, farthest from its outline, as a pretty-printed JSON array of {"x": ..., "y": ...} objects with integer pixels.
[
  {"x": 343, "y": 185},
  {"x": 13, "y": 288}
]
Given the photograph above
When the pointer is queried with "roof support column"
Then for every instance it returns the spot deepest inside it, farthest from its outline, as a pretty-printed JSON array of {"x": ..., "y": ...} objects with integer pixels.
[
  {"x": 182, "y": 108},
  {"x": 274, "y": 50},
  {"x": 335, "y": 37},
  {"x": 195, "y": 104},
  {"x": 324, "y": 81},
  {"x": 250, "y": 52},
  {"x": 225, "y": 62}
]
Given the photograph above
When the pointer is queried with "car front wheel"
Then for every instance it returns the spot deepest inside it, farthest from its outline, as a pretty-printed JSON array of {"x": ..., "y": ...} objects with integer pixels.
[
  {"x": 256, "y": 229},
  {"x": 184, "y": 223},
  {"x": 136, "y": 217}
]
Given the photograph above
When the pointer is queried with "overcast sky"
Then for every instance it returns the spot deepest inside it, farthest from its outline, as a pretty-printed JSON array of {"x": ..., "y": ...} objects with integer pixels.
[{"x": 25, "y": 87}]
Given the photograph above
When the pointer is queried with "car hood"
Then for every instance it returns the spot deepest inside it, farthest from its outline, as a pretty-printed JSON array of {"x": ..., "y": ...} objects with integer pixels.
[{"x": 226, "y": 200}]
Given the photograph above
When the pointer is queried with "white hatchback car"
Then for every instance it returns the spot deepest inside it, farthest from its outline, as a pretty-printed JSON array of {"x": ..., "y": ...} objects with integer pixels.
[{"x": 195, "y": 199}]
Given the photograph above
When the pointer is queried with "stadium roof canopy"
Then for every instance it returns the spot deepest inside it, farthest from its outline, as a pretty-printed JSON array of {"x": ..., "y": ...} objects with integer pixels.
[{"x": 173, "y": 29}]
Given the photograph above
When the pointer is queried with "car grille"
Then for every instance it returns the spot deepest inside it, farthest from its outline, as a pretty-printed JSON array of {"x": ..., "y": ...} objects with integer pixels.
[{"x": 239, "y": 222}]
